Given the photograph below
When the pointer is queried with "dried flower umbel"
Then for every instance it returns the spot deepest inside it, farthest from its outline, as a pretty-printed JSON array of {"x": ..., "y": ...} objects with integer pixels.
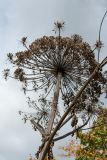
[
  {"x": 38, "y": 67},
  {"x": 43, "y": 61},
  {"x": 58, "y": 66}
]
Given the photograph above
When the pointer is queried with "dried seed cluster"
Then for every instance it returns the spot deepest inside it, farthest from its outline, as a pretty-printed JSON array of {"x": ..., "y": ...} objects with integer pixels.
[{"x": 38, "y": 67}]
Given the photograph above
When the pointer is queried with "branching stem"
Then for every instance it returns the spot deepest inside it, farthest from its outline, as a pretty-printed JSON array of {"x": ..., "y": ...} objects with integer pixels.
[{"x": 71, "y": 105}]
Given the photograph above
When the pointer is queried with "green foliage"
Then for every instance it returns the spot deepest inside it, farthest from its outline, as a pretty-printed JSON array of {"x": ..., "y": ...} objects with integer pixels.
[{"x": 93, "y": 144}]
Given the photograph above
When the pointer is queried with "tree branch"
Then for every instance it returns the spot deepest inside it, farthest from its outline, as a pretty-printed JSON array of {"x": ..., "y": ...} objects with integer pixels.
[
  {"x": 38, "y": 126},
  {"x": 93, "y": 127},
  {"x": 66, "y": 121},
  {"x": 72, "y": 132}
]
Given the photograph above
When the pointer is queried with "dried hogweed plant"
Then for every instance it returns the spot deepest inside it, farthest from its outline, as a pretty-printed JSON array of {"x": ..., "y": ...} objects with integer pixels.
[{"x": 56, "y": 68}]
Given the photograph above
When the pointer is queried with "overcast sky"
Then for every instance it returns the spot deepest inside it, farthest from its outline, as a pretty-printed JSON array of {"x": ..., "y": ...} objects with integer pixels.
[{"x": 35, "y": 18}]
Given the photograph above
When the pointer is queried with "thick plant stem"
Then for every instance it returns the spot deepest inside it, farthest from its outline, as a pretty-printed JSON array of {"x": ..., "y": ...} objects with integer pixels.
[
  {"x": 53, "y": 108},
  {"x": 54, "y": 103}
]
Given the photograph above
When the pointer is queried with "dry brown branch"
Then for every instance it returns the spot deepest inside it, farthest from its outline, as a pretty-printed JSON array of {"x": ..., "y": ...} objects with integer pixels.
[{"x": 72, "y": 132}]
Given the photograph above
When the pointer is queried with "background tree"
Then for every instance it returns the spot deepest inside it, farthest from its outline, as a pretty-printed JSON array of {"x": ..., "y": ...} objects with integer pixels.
[
  {"x": 56, "y": 68},
  {"x": 93, "y": 144}
]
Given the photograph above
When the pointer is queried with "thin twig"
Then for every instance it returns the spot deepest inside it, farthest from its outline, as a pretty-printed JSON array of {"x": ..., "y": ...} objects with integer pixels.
[
  {"x": 99, "y": 38},
  {"x": 72, "y": 132}
]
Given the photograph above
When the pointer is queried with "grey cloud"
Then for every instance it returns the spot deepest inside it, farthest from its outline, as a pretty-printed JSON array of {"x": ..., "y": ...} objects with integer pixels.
[
  {"x": 17, "y": 139},
  {"x": 35, "y": 18}
]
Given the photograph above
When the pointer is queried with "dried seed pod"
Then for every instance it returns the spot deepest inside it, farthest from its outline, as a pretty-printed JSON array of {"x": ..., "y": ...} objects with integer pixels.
[{"x": 74, "y": 121}]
